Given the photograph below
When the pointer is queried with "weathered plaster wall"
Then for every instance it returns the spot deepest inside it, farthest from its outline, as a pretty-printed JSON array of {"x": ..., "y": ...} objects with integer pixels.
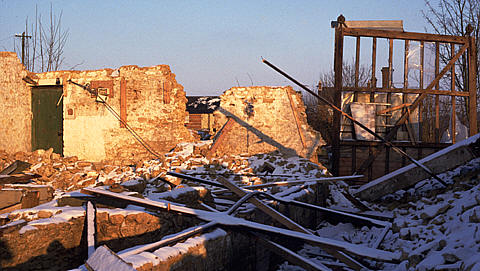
[
  {"x": 266, "y": 119},
  {"x": 15, "y": 105},
  {"x": 155, "y": 106}
]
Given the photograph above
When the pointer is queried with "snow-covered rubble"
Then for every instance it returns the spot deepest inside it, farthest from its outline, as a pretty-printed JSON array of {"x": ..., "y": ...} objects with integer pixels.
[{"x": 435, "y": 228}]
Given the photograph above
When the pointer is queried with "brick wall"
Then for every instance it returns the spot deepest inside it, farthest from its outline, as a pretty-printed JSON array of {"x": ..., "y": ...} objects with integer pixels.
[
  {"x": 266, "y": 119},
  {"x": 15, "y": 106},
  {"x": 155, "y": 109},
  {"x": 59, "y": 244}
]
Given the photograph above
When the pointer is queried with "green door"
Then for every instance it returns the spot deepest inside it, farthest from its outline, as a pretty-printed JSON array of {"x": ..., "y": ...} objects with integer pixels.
[{"x": 47, "y": 121}]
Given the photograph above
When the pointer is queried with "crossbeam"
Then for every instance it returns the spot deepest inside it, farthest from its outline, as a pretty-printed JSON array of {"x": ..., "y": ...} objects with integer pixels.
[{"x": 234, "y": 222}]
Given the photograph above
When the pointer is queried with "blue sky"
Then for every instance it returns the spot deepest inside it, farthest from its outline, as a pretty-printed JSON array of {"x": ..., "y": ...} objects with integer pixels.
[{"x": 209, "y": 45}]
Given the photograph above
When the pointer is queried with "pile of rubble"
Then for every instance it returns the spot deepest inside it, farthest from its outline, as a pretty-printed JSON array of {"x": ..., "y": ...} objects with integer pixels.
[{"x": 434, "y": 227}]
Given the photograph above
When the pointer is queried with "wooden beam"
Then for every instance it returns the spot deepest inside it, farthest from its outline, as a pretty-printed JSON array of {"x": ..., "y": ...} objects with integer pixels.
[
  {"x": 357, "y": 62},
  {"x": 437, "y": 98},
  {"x": 391, "y": 25},
  {"x": 355, "y": 32},
  {"x": 291, "y": 256},
  {"x": 472, "y": 86},
  {"x": 393, "y": 108},
  {"x": 337, "y": 101},
  {"x": 373, "y": 80},
  {"x": 453, "y": 98},
  {"x": 235, "y": 222},
  {"x": 297, "y": 120},
  {"x": 421, "y": 86},
  {"x": 263, "y": 207}
]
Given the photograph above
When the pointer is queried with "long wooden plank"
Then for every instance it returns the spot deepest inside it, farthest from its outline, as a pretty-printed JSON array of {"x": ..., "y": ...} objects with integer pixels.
[
  {"x": 230, "y": 221},
  {"x": 263, "y": 207},
  {"x": 391, "y": 25},
  {"x": 404, "y": 35},
  {"x": 291, "y": 256},
  {"x": 348, "y": 216},
  {"x": 297, "y": 120}
]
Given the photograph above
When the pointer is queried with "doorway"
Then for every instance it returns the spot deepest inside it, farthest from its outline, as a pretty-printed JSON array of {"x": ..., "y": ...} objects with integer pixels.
[{"x": 47, "y": 118}]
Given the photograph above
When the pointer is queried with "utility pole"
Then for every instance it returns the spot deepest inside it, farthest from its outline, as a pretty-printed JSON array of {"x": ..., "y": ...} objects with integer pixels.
[{"x": 23, "y": 36}]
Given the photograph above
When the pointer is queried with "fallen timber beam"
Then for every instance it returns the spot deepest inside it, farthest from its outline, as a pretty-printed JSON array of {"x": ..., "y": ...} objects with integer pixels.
[
  {"x": 285, "y": 183},
  {"x": 286, "y": 221},
  {"x": 384, "y": 140},
  {"x": 234, "y": 222},
  {"x": 170, "y": 240},
  {"x": 348, "y": 216},
  {"x": 276, "y": 248},
  {"x": 440, "y": 161},
  {"x": 291, "y": 256}
]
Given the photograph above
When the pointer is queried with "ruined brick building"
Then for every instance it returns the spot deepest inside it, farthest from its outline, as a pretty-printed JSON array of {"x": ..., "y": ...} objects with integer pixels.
[{"x": 43, "y": 110}]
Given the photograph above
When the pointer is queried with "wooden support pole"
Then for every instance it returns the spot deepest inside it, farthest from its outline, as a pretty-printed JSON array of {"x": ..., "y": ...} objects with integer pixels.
[
  {"x": 421, "y": 86},
  {"x": 373, "y": 80},
  {"x": 390, "y": 65},
  {"x": 437, "y": 98},
  {"x": 357, "y": 68},
  {"x": 472, "y": 86},
  {"x": 337, "y": 101},
  {"x": 453, "y": 98}
]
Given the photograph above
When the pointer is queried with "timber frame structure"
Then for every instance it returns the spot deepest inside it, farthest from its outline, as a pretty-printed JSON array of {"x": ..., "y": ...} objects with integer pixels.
[{"x": 345, "y": 153}]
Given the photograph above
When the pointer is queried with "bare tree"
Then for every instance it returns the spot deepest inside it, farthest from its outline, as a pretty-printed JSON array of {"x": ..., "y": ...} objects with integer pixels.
[
  {"x": 451, "y": 17},
  {"x": 44, "y": 51}
]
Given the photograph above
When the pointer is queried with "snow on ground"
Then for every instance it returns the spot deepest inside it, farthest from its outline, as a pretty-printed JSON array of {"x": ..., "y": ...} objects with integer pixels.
[{"x": 435, "y": 228}]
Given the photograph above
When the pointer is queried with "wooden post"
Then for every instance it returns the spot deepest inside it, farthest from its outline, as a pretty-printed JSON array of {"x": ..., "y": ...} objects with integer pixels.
[
  {"x": 453, "y": 98},
  {"x": 437, "y": 97},
  {"x": 357, "y": 68},
  {"x": 420, "y": 105},
  {"x": 373, "y": 82},
  {"x": 472, "y": 86},
  {"x": 337, "y": 100}
]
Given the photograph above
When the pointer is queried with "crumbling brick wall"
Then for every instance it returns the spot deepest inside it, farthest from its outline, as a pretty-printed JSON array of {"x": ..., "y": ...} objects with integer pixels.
[
  {"x": 154, "y": 105},
  {"x": 265, "y": 119},
  {"x": 61, "y": 245},
  {"x": 15, "y": 106}
]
